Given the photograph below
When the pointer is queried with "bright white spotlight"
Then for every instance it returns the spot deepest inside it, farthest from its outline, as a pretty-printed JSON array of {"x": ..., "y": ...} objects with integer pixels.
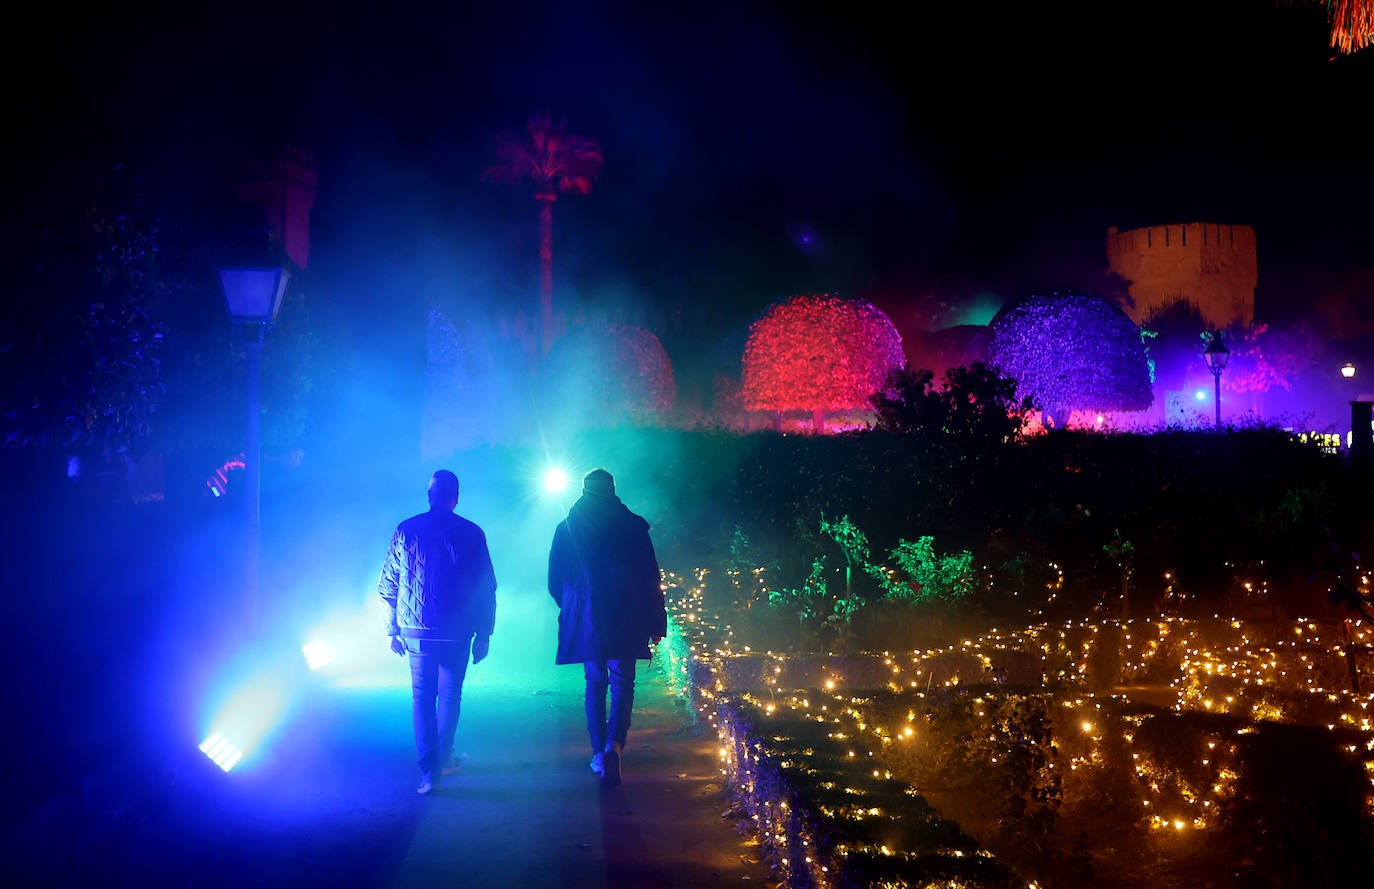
[
  {"x": 555, "y": 480},
  {"x": 221, "y": 752},
  {"x": 317, "y": 654}
]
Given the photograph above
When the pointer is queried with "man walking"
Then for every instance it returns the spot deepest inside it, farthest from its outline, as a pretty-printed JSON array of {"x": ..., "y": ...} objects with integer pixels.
[
  {"x": 604, "y": 576},
  {"x": 438, "y": 590}
]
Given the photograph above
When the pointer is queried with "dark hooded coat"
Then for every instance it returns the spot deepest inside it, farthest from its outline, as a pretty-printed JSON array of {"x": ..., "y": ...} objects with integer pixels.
[{"x": 604, "y": 576}]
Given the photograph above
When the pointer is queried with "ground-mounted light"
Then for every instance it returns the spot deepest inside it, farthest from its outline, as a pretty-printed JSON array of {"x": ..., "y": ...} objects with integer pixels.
[{"x": 221, "y": 751}]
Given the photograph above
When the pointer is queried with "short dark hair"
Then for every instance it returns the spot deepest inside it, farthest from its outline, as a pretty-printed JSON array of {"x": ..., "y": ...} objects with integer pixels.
[{"x": 443, "y": 487}]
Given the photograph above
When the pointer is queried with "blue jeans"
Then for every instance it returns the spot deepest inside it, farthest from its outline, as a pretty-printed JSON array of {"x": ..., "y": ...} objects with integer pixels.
[
  {"x": 619, "y": 677},
  {"x": 437, "y": 670}
]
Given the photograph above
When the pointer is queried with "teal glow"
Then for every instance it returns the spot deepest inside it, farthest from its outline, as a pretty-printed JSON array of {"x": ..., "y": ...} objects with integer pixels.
[{"x": 979, "y": 311}]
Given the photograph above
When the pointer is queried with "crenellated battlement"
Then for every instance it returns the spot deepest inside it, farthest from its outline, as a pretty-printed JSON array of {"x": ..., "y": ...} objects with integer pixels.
[{"x": 1211, "y": 265}]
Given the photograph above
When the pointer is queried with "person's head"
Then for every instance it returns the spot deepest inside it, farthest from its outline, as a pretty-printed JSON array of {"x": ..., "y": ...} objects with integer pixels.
[
  {"x": 599, "y": 482},
  {"x": 443, "y": 490}
]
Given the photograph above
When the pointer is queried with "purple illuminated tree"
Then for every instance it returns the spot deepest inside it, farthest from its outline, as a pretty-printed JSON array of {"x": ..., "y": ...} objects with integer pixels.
[
  {"x": 554, "y": 161},
  {"x": 819, "y": 353},
  {"x": 1069, "y": 350}
]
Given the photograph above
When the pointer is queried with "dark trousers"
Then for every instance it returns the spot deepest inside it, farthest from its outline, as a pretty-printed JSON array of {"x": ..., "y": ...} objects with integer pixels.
[
  {"x": 437, "y": 670},
  {"x": 618, "y": 676}
]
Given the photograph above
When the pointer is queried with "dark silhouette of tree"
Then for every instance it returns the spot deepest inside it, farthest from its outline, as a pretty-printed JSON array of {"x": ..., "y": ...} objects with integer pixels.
[
  {"x": 553, "y": 161},
  {"x": 80, "y": 352},
  {"x": 819, "y": 353},
  {"x": 972, "y": 406},
  {"x": 1070, "y": 350},
  {"x": 1171, "y": 336}
]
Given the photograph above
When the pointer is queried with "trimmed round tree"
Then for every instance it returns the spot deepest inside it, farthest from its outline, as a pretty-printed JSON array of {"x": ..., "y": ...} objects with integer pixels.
[
  {"x": 819, "y": 353},
  {"x": 1070, "y": 350},
  {"x": 607, "y": 376}
]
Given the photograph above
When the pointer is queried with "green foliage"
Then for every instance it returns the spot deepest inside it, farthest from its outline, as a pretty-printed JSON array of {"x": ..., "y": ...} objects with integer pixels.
[
  {"x": 942, "y": 578},
  {"x": 852, "y": 541},
  {"x": 806, "y": 601}
]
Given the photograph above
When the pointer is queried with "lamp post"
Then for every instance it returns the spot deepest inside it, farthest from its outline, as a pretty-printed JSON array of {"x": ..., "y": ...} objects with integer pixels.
[
  {"x": 253, "y": 296},
  {"x": 1361, "y": 421},
  {"x": 1216, "y": 356}
]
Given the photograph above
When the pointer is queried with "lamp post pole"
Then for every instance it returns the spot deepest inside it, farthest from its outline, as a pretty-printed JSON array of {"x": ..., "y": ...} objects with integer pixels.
[
  {"x": 254, "y": 336},
  {"x": 1216, "y": 354},
  {"x": 1216, "y": 380},
  {"x": 253, "y": 296}
]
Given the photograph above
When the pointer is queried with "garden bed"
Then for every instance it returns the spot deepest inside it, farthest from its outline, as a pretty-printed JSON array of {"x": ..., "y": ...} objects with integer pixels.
[{"x": 1148, "y": 753}]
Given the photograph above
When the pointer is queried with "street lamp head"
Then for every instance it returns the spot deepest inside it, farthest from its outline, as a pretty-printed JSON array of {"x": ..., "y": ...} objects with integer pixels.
[
  {"x": 1348, "y": 370},
  {"x": 1216, "y": 354},
  {"x": 253, "y": 294}
]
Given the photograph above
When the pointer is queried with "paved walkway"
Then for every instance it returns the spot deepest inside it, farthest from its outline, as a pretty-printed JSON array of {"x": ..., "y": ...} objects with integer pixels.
[{"x": 332, "y": 801}]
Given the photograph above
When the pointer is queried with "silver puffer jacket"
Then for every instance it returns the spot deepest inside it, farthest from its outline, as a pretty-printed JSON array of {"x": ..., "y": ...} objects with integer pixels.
[{"x": 437, "y": 581}]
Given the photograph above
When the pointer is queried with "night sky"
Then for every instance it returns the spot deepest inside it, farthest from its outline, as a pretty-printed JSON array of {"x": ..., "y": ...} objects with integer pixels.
[{"x": 959, "y": 154}]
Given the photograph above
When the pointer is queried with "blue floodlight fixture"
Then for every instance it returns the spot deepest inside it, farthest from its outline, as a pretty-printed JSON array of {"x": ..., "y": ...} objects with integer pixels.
[
  {"x": 221, "y": 751},
  {"x": 245, "y": 721},
  {"x": 555, "y": 480}
]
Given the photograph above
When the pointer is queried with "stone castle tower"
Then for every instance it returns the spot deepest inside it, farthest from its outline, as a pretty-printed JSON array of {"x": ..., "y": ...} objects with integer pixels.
[{"x": 1212, "y": 266}]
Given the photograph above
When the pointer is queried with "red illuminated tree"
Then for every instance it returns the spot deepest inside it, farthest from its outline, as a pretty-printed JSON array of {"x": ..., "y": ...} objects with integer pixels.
[
  {"x": 554, "y": 161},
  {"x": 819, "y": 353},
  {"x": 1069, "y": 350},
  {"x": 1265, "y": 358}
]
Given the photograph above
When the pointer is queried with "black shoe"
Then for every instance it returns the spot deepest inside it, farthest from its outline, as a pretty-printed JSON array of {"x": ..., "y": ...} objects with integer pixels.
[
  {"x": 453, "y": 765},
  {"x": 610, "y": 768}
]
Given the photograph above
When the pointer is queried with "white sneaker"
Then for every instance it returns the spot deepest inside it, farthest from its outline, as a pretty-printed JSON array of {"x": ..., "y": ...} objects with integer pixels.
[{"x": 597, "y": 765}]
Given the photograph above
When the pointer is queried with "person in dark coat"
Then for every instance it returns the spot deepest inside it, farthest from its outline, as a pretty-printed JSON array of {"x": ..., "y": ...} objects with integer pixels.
[
  {"x": 438, "y": 592},
  {"x": 604, "y": 576}
]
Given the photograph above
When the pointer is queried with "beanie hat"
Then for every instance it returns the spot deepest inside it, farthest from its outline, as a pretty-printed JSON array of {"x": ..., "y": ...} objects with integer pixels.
[{"x": 599, "y": 481}]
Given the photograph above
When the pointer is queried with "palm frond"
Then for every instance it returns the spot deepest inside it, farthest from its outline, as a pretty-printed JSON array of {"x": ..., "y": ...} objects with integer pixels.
[{"x": 1352, "y": 24}]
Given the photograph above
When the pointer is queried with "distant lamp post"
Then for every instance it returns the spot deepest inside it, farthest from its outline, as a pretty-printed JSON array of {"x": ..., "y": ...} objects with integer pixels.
[
  {"x": 1361, "y": 425},
  {"x": 253, "y": 296},
  {"x": 1216, "y": 355}
]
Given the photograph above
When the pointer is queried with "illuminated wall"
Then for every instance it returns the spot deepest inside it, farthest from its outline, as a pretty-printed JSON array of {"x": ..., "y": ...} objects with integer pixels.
[
  {"x": 285, "y": 187},
  {"x": 1213, "y": 266}
]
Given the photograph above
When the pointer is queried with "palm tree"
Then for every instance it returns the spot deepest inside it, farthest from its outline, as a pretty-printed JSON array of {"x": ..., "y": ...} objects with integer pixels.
[
  {"x": 1352, "y": 24},
  {"x": 555, "y": 161}
]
